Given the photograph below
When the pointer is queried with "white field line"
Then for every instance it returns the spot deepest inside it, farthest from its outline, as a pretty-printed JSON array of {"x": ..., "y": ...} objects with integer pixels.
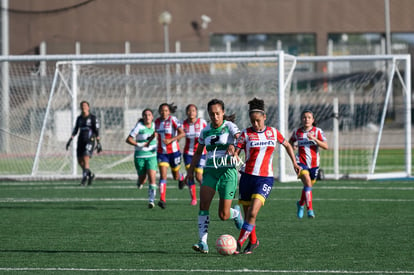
[
  {"x": 121, "y": 270},
  {"x": 40, "y": 186},
  {"x": 41, "y": 200},
  {"x": 43, "y": 186},
  {"x": 349, "y": 187}
]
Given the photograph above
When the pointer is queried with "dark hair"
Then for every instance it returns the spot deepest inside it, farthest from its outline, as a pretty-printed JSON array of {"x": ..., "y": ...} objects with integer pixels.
[
  {"x": 308, "y": 111},
  {"x": 215, "y": 101},
  {"x": 189, "y": 106},
  {"x": 256, "y": 105},
  {"x": 142, "y": 114},
  {"x": 83, "y": 101},
  {"x": 171, "y": 107},
  {"x": 146, "y": 109}
]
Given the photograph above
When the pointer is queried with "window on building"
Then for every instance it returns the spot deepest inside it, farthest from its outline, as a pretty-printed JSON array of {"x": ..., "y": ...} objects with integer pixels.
[
  {"x": 368, "y": 43},
  {"x": 295, "y": 44},
  {"x": 402, "y": 43}
]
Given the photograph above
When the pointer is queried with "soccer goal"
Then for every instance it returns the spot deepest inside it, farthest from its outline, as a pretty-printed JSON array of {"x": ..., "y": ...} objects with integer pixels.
[
  {"x": 118, "y": 88},
  {"x": 363, "y": 103}
]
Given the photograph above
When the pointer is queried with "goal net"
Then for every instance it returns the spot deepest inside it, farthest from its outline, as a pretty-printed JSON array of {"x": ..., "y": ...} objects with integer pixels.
[
  {"x": 119, "y": 89},
  {"x": 361, "y": 103}
]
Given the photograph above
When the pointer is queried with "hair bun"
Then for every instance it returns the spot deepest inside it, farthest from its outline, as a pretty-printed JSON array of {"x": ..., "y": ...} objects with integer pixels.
[{"x": 256, "y": 105}]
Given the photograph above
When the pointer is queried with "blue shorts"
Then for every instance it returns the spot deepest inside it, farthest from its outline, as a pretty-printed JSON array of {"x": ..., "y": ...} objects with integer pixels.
[
  {"x": 173, "y": 159},
  {"x": 254, "y": 187},
  {"x": 313, "y": 172},
  {"x": 187, "y": 161}
]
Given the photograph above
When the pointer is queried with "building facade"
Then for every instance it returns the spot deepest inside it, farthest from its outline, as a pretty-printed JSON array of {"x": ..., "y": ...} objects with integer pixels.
[{"x": 301, "y": 27}]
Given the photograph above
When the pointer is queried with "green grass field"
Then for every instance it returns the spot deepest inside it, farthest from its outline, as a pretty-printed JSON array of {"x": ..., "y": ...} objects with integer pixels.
[
  {"x": 351, "y": 162},
  {"x": 361, "y": 227}
]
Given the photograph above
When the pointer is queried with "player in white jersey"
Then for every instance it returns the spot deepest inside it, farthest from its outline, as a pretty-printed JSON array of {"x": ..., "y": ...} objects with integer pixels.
[
  {"x": 256, "y": 182},
  {"x": 309, "y": 139},
  {"x": 142, "y": 137},
  {"x": 220, "y": 173},
  {"x": 192, "y": 127}
]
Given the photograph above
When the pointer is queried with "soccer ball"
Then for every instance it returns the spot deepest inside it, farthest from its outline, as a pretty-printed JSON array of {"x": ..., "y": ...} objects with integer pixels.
[{"x": 226, "y": 244}]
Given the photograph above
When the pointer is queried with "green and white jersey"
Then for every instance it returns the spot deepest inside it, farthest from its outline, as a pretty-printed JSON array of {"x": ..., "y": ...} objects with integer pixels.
[
  {"x": 142, "y": 133},
  {"x": 217, "y": 140}
]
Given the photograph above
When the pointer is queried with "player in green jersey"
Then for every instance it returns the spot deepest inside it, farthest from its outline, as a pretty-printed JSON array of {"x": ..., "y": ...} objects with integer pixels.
[
  {"x": 142, "y": 137},
  {"x": 220, "y": 173}
]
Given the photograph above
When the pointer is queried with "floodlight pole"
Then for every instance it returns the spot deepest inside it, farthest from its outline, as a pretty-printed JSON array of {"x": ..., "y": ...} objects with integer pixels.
[
  {"x": 165, "y": 19},
  {"x": 387, "y": 26}
]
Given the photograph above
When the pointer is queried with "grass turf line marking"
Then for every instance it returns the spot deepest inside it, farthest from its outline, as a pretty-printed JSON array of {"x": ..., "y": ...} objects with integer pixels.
[
  {"x": 206, "y": 270},
  {"x": 171, "y": 186},
  {"x": 57, "y": 200}
]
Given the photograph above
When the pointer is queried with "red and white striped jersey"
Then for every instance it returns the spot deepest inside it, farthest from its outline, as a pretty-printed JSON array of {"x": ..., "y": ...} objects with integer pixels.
[
  {"x": 167, "y": 129},
  {"x": 308, "y": 150},
  {"x": 259, "y": 148},
  {"x": 192, "y": 133}
]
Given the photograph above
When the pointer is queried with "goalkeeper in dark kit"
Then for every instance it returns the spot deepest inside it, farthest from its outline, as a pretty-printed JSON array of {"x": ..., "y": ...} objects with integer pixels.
[{"x": 88, "y": 127}]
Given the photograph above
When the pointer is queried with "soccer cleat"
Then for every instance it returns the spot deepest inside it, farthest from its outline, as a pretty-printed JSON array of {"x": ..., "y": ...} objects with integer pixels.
[
  {"x": 238, "y": 221},
  {"x": 83, "y": 181},
  {"x": 139, "y": 185},
  {"x": 151, "y": 204},
  {"x": 311, "y": 214},
  {"x": 162, "y": 204},
  {"x": 201, "y": 247},
  {"x": 238, "y": 249},
  {"x": 250, "y": 247},
  {"x": 181, "y": 184},
  {"x": 193, "y": 202},
  {"x": 300, "y": 210},
  {"x": 90, "y": 178}
]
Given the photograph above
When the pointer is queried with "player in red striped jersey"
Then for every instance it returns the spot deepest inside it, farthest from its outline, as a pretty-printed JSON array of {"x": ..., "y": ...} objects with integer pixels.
[
  {"x": 309, "y": 139},
  {"x": 170, "y": 131},
  {"x": 256, "y": 181},
  {"x": 192, "y": 128}
]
